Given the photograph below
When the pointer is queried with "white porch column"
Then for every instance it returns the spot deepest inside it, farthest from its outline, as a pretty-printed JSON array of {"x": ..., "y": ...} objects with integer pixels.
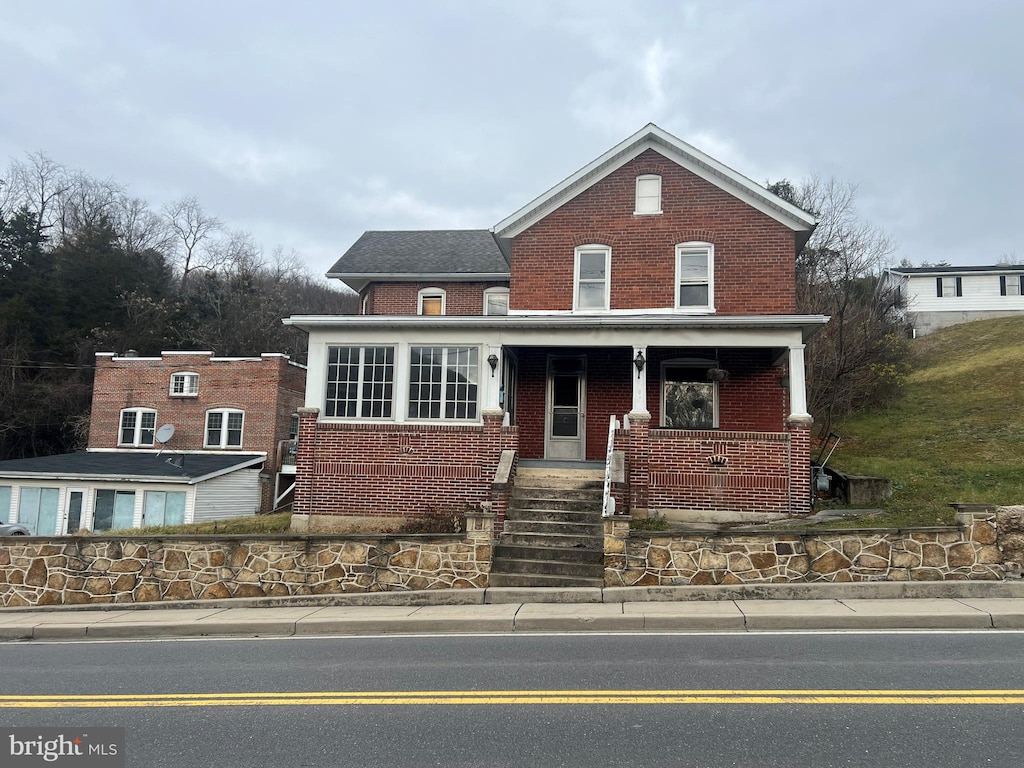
[
  {"x": 639, "y": 383},
  {"x": 492, "y": 387},
  {"x": 797, "y": 387}
]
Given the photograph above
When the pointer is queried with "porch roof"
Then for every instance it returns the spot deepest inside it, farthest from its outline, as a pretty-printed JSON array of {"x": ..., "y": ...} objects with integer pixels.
[
  {"x": 128, "y": 466},
  {"x": 808, "y": 325}
]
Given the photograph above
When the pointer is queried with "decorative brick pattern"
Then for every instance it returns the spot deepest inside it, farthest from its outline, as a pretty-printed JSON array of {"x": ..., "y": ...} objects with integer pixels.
[{"x": 388, "y": 470}]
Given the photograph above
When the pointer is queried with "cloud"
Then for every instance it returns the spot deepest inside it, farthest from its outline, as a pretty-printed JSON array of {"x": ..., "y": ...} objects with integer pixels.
[{"x": 377, "y": 203}]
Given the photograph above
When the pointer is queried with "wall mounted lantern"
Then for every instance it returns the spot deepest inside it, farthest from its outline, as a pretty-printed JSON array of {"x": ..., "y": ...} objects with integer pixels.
[
  {"x": 639, "y": 362},
  {"x": 492, "y": 360}
]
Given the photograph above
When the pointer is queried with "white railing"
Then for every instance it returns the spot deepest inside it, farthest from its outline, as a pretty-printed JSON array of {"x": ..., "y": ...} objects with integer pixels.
[{"x": 608, "y": 505}]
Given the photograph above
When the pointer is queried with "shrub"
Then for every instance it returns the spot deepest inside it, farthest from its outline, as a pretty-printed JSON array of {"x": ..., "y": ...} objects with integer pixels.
[{"x": 435, "y": 521}]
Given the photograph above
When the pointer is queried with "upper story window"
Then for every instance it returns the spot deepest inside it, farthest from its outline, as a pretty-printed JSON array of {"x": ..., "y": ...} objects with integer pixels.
[
  {"x": 948, "y": 286},
  {"x": 1011, "y": 285},
  {"x": 431, "y": 301},
  {"x": 593, "y": 265},
  {"x": 137, "y": 427},
  {"x": 224, "y": 428},
  {"x": 185, "y": 384},
  {"x": 496, "y": 301},
  {"x": 443, "y": 382},
  {"x": 695, "y": 277},
  {"x": 360, "y": 382},
  {"x": 648, "y": 194}
]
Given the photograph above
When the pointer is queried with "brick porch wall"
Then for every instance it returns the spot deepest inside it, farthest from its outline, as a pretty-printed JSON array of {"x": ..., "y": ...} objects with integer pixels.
[{"x": 389, "y": 470}]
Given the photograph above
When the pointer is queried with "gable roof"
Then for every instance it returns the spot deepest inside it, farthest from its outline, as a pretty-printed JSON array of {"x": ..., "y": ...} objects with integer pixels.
[
  {"x": 128, "y": 466},
  {"x": 679, "y": 152},
  {"x": 425, "y": 255}
]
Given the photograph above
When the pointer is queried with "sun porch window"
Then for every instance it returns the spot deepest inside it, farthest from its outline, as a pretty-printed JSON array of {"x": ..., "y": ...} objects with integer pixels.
[
  {"x": 443, "y": 382},
  {"x": 360, "y": 382}
]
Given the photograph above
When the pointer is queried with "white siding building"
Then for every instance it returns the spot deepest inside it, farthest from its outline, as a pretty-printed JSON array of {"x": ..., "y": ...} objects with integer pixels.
[{"x": 937, "y": 297}]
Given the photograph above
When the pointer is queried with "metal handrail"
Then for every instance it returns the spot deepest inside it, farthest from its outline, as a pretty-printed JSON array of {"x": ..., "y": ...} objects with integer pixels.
[{"x": 608, "y": 501}]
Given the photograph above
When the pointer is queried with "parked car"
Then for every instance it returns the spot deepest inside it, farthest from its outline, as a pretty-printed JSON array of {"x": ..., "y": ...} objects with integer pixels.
[{"x": 13, "y": 529}]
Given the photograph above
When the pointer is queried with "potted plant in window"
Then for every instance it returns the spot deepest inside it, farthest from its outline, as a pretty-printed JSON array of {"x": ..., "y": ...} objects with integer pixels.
[{"x": 717, "y": 374}]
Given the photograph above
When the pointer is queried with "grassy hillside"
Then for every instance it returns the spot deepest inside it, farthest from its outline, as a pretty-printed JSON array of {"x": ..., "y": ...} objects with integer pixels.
[{"x": 957, "y": 431}]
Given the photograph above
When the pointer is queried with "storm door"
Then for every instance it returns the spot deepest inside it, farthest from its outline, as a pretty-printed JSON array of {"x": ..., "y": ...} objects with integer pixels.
[{"x": 566, "y": 408}]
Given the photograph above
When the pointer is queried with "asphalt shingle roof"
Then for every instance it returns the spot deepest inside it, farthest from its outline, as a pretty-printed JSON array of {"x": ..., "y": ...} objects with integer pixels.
[
  {"x": 439, "y": 251},
  {"x": 117, "y": 464}
]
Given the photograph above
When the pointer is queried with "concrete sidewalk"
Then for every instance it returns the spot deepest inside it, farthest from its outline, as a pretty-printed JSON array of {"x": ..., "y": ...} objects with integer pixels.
[{"x": 552, "y": 611}]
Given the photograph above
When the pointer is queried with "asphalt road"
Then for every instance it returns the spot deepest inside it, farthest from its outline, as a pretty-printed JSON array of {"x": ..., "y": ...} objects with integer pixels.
[{"x": 667, "y": 717}]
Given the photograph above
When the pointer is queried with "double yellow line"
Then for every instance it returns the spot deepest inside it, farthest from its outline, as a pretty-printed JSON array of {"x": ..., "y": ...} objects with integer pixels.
[{"x": 398, "y": 698}]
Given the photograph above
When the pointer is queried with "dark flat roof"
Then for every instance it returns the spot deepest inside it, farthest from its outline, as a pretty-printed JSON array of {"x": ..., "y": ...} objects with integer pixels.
[
  {"x": 121, "y": 464},
  {"x": 947, "y": 270}
]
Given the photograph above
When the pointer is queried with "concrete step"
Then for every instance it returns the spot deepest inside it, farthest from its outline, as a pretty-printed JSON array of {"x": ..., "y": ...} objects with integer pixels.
[
  {"x": 553, "y": 540},
  {"x": 552, "y": 500},
  {"x": 557, "y": 527},
  {"x": 588, "y": 515},
  {"x": 550, "y": 477},
  {"x": 549, "y": 568},
  {"x": 541, "y": 580},
  {"x": 522, "y": 552}
]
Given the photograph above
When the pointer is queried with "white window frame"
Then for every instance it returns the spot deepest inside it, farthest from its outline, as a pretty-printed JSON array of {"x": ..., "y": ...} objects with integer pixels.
[
  {"x": 699, "y": 368},
  {"x": 489, "y": 292},
  {"x": 709, "y": 250},
  {"x": 189, "y": 384},
  {"x": 431, "y": 293},
  {"x": 449, "y": 354},
  {"x": 225, "y": 414},
  {"x": 637, "y": 208},
  {"x": 137, "y": 441},
  {"x": 387, "y": 405},
  {"x": 592, "y": 248}
]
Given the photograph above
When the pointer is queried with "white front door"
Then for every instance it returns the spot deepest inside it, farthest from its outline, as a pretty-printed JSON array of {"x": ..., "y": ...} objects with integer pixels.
[
  {"x": 74, "y": 510},
  {"x": 566, "y": 417}
]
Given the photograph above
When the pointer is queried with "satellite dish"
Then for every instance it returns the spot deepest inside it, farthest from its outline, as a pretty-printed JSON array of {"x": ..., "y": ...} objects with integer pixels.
[{"x": 164, "y": 433}]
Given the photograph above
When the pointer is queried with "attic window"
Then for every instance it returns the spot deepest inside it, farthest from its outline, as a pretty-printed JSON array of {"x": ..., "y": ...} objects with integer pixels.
[
  {"x": 431, "y": 302},
  {"x": 496, "y": 301},
  {"x": 184, "y": 384},
  {"x": 648, "y": 195}
]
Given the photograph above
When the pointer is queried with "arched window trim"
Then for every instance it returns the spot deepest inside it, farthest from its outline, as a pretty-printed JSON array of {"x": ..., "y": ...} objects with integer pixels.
[
  {"x": 683, "y": 279},
  {"x": 223, "y": 429},
  {"x": 648, "y": 203},
  {"x": 184, "y": 384},
  {"x": 141, "y": 427},
  {"x": 496, "y": 291},
  {"x": 430, "y": 293}
]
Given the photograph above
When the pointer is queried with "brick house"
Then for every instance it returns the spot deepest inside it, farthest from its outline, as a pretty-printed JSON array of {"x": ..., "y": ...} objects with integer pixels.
[
  {"x": 226, "y": 455},
  {"x": 637, "y": 318}
]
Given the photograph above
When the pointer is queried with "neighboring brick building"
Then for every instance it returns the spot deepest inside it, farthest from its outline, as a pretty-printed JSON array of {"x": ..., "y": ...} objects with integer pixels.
[
  {"x": 654, "y": 287},
  {"x": 223, "y": 457}
]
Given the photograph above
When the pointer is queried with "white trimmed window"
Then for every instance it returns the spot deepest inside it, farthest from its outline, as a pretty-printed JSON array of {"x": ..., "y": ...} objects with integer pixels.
[
  {"x": 443, "y": 382},
  {"x": 1011, "y": 285},
  {"x": 360, "y": 382},
  {"x": 224, "y": 428},
  {"x": 948, "y": 287},
  {"x": 496, "y": 301},
  {"x": 185, "y": 384},
  {"x": 688, "y": 399},
  {"x": 137, "y": 427},
  {"x": 430, "y": 301},
  {"x": 648, "y": 195},
  {"x": 592, "y": 268},
  {"x": 695, "y": 277}
]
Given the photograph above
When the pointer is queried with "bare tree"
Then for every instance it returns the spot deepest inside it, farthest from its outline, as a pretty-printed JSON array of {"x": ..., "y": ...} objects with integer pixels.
[
  {"x": 859, "y": 357},
  {"x": 193, "y": 230}
]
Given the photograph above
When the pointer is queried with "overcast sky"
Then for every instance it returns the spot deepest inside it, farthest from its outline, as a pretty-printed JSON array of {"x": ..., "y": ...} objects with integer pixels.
[{"x": 307, "y": 123}]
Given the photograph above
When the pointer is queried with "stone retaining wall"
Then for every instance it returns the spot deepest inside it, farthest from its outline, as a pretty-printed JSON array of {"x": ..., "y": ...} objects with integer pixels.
[
  {"x": 962, "y": 553},
  {"x": 143, "y": 569}
]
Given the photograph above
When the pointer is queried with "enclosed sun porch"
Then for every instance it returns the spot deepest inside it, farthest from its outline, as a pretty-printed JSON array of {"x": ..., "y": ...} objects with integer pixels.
[{"x": 691, "y": 416}]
